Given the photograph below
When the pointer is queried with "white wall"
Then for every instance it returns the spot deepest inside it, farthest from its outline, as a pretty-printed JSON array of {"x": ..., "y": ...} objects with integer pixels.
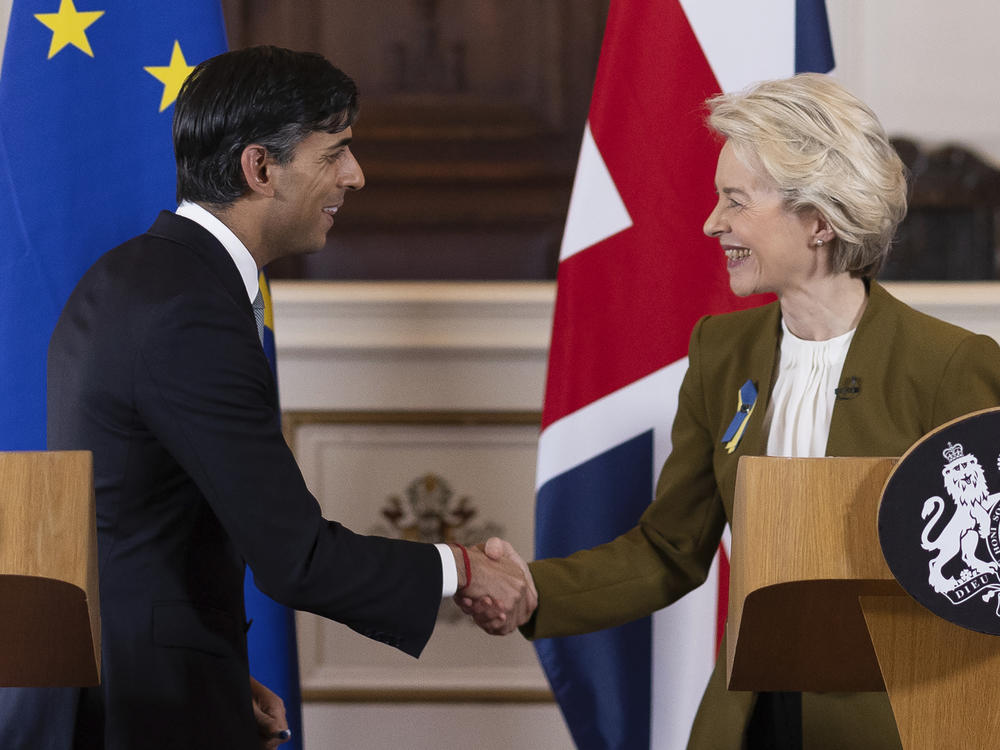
[{"x": 927, "y": 68}]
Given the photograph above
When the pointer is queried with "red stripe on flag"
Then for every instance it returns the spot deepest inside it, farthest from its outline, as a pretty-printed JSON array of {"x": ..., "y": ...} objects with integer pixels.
[
  {"x": 626, "y": 305},
  {"x": 722, "y": 611}
]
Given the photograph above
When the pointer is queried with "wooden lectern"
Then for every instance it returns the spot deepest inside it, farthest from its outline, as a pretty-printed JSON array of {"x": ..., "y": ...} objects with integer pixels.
[
  {"x": 814, "y": 607},
  {"x": 50, "y": 631}
]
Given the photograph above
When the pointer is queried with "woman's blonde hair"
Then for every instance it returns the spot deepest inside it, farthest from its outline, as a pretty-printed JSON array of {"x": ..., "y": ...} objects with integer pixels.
[{"x": 827, "y": 151}]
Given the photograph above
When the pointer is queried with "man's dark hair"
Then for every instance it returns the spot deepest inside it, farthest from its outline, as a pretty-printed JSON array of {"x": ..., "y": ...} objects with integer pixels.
[{"x": 266, "y": 95}]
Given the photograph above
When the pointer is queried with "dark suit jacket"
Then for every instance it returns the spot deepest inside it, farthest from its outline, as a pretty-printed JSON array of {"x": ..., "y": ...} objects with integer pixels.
[
  {"x": 155, "y": 366},
  {"x": 915, "y": 373}
]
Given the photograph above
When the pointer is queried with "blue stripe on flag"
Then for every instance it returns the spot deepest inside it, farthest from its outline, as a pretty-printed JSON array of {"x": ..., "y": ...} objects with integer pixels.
[
  {"x": 274, "y": 655},
  {"x": 269, "y": 349},
  {"x": 602, "y": 680},
  {"x": 271, "y": 644},
  {"x": 813, "y": 46}
]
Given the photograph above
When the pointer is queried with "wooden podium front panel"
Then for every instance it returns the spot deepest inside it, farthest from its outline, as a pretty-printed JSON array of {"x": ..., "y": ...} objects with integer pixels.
[
  {"x": 805, "y": 546},
  {"x": 48, "y": 570},
  {"x": 941, "y": 678}
]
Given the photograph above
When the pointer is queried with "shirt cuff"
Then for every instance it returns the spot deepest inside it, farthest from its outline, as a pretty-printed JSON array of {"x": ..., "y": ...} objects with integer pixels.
[{"x": 449, "y": 573}]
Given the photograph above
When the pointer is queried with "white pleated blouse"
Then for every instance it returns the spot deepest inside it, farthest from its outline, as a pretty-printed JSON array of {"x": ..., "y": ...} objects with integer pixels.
[{"x": 801, "y": 407}]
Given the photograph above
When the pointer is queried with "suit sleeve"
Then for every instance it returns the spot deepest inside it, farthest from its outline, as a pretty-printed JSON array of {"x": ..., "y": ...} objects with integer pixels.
[
  {"x": 204, "y": 387},
  {"x": 666, "y": 555}
]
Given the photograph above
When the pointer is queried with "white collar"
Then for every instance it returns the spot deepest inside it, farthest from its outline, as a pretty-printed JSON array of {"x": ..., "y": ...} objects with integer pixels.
[{"x": 244, "y": 261}]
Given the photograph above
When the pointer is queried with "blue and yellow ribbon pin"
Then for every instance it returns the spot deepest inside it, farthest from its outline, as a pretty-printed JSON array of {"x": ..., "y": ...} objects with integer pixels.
[{"x": 747, "y": 398}]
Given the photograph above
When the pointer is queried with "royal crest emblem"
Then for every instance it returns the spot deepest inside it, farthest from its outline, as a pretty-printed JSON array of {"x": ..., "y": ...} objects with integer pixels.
[
  {"x": 939, "y": 524},
  {"x": 973, "y": 523}
]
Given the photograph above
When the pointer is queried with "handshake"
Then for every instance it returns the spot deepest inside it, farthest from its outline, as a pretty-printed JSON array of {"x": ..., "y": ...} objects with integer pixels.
[{"x": 498, "y": 593}]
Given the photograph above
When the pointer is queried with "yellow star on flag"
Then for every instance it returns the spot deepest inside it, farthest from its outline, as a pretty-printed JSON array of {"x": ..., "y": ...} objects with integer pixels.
[
  {"x": 171, "y": 76},
  {"x": 69, "y": 26}
]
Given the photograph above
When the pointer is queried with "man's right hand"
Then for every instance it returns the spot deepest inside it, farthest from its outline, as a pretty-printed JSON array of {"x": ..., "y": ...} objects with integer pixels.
[{"x": 502, "y": 594}]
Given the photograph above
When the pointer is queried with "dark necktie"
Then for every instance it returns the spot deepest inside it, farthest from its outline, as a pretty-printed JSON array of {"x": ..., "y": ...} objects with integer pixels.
[{"x": 258, "y": 314}]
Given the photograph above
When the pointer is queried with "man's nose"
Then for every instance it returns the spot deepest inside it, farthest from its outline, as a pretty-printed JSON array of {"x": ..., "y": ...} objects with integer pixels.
[{"x": 353, "y": 177}]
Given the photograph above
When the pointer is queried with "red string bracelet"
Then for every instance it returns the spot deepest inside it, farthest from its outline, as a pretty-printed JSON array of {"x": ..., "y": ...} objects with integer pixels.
[{"x": 468, "y": 565}]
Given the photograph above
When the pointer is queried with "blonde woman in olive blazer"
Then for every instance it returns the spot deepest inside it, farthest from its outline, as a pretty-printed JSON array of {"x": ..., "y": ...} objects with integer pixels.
[
  {"x": 810, "y": 193},
  {"x": 913, "y": 372}
]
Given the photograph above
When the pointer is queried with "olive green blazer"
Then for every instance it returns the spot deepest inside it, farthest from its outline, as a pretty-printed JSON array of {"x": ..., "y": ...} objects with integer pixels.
[{"x": 914, "y": 372}]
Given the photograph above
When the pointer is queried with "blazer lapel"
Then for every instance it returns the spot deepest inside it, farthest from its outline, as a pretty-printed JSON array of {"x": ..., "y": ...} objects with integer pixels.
[
  {"x": 190, "y": 234},
  {"x": 863, "y": 363},
  {"x": 761, "y": 369}
]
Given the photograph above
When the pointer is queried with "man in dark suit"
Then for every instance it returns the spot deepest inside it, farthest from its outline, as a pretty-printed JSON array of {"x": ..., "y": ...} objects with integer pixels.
[{"x": 156, "y": 366}]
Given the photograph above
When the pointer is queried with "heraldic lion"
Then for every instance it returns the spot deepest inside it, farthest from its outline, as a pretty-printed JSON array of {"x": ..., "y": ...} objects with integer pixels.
[{"x": 966, "y": 484}]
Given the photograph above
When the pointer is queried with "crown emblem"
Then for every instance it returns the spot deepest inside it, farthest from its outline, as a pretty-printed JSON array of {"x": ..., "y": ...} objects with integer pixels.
[{"x": 953, "y": 452}]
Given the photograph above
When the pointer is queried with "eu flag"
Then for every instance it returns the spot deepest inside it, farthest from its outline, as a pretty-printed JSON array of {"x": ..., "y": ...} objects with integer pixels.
[
  {"x": 274, "y": 651},
  {"x": 86, "y": 162}
]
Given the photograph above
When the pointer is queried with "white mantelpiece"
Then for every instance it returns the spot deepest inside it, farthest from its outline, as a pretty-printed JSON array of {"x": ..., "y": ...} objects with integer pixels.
[
  {"x": 428, "y": 346},
  {"x": 469, "y": 346}
]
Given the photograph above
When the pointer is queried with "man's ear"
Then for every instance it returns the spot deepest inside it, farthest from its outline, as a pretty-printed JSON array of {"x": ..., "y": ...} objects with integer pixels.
[{"x": 256, "y": 169}]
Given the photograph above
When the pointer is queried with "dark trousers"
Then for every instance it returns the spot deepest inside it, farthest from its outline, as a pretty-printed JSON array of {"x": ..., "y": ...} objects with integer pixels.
[{"x": 776, "y": 722}]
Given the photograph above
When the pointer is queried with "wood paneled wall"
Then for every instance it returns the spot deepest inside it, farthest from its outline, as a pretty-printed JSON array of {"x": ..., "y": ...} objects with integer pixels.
[{"x": 472, "y": 115}]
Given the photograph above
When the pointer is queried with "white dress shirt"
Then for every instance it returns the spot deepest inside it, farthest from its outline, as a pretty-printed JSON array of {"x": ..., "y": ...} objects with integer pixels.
[{"x": 801, "y": 406}]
